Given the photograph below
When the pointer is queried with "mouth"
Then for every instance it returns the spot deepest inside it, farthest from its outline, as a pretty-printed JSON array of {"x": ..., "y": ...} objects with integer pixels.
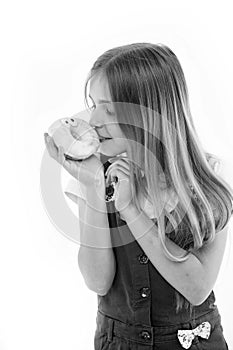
[{"x": 102, "y": 139}]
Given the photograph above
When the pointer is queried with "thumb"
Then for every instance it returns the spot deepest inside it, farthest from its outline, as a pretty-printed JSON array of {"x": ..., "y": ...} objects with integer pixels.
[{"x": 62, "y": 159}]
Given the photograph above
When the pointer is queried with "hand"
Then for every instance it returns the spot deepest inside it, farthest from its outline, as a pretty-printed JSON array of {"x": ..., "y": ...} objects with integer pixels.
[
  {"x": 123, "y": 201},
  {"x": 89, "y": 171},
  {"x": 120, "y": 169}
]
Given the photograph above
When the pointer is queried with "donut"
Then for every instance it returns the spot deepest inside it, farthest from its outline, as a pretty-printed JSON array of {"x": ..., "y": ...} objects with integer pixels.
[
  {"x": 76, "y": 136},
  {"x": 79, "y": 141}
]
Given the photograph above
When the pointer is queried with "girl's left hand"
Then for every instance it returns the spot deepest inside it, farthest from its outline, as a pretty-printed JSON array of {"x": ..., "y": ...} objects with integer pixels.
[{"x": 120, "y": 168}]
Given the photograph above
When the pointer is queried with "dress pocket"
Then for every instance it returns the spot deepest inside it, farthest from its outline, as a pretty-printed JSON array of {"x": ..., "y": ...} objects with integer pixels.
[
  {"x": 117, "y": 343},
  {"x": 216, "y": 340}
]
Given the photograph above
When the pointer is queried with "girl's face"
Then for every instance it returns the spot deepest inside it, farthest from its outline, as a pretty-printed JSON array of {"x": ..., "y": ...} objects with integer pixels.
[{"x": 103, "y": 118}]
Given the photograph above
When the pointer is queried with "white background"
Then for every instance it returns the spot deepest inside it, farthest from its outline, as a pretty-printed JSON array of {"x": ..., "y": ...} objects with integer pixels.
[{"x": 47, "y": 49}]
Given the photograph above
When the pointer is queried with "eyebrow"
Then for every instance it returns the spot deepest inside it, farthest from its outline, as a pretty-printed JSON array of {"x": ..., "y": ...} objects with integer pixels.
[{"x": 100, "y": 100}]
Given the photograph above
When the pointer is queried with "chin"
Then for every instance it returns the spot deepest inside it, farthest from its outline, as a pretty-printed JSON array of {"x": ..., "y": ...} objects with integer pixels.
[{"x": 110, "y": 151}]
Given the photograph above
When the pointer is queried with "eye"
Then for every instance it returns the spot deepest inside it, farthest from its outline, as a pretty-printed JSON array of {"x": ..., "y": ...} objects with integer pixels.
[{"x": 106, "y": 110}]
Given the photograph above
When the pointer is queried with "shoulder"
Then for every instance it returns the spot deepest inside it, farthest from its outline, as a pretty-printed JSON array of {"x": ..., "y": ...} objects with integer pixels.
[
  {"x": 219, "y": 165},
  {"x": 214, "y": 161}
]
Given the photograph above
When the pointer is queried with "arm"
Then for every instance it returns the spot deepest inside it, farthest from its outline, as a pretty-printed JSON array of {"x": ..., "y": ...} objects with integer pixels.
[
  {"x": 95, "y": 257},
  {"x": 193, "y": 278}
]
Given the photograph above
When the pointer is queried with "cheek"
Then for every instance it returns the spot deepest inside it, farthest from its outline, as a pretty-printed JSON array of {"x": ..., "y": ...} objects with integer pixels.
[
  {"x": 116, "y": 134},
  {"x": 120, "y": 144}
]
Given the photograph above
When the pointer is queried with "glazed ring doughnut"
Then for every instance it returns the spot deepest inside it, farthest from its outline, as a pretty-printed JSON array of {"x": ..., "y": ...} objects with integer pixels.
[
  {"x": 79, "y": 141},
  {"x": 76, "y": 136}
]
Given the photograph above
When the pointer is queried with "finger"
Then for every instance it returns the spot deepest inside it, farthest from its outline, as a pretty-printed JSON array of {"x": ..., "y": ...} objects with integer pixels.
[
  {"x": 120, "y": 173},
  {"x": 125, "y": 162},
  {"x": 46, "y": 138},
  {"x": 124, "y": 179},
  {"x": 52, "y": 143},
  {"x": 124, "y": 159},
  {"x": 113, "y": 171},
  {"x": 116, "y": 163},
  {"x": 52, "y": 148},
  {"x": 62, "y": 159},
  {"x": 117, "y": 159},
  {"x": 61, "y": 156},
  {"x": 117, "y": 190}
]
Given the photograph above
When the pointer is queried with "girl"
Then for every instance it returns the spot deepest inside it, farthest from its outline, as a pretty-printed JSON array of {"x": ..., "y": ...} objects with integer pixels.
[{"x": 165, "y": 233}]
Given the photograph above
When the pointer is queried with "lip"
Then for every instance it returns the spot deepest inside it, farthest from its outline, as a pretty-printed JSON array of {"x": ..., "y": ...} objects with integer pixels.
[
  {"x": 103, "y": 139},
  {"x": 102, "y": 136}
]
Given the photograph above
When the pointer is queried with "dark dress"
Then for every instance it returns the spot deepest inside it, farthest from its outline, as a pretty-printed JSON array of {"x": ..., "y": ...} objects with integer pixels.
[{"x": 138, "y": 312}]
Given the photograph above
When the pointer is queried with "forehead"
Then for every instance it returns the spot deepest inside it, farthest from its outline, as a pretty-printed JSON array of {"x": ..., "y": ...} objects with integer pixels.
[{"x": 99, "y": 87}]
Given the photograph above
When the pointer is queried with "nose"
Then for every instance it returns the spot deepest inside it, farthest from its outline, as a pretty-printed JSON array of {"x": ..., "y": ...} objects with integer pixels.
[
  {"x": 96, "y": 127},
  {"x": 96, "y": 121}
]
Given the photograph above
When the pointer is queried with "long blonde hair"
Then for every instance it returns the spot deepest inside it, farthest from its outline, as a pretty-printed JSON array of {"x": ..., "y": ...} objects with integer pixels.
[{"x": 149, "y": 80}]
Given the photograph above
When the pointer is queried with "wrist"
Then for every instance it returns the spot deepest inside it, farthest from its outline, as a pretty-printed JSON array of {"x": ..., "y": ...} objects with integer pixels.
[
  {"x": 129, "y": 212},
  {"x": 96, "y": 188}
]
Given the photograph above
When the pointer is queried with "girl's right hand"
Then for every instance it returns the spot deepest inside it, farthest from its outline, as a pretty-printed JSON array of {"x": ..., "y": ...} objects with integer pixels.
[{"x": 90, "y": 171}]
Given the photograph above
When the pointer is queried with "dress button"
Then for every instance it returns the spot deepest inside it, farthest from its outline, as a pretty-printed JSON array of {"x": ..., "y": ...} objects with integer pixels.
[
  {"x": 145, "y": 292},
  {"x": 143, "y": 259},
  {"x": 145, "y": 335}
]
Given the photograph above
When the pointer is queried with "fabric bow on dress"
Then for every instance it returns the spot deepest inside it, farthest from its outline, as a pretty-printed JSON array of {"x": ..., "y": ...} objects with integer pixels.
[{"x": 186, "y": 336}]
